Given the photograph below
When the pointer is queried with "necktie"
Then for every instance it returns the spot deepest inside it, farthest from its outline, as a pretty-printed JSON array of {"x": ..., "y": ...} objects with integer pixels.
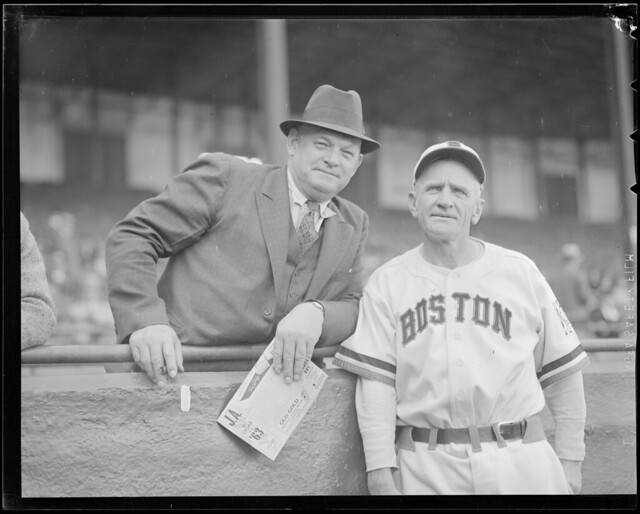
[{"x": 307, "y": 230}]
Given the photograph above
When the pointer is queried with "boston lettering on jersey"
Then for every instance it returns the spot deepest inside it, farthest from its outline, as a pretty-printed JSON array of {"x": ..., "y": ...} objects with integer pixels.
[{"x": 485, "y": 313}]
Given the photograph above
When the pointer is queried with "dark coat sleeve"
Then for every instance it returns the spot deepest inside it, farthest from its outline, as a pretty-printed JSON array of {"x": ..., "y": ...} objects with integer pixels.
[
  {"x": 341, "y": 312},
  {"x": 159, "y": 228}
]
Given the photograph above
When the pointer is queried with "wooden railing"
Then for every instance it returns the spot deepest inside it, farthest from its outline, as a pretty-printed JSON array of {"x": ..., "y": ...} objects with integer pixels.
[{"x": 74, "y": 354}]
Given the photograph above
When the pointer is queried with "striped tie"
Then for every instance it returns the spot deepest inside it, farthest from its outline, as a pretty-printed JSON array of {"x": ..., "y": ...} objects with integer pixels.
[{"x": 307, "y": 233}]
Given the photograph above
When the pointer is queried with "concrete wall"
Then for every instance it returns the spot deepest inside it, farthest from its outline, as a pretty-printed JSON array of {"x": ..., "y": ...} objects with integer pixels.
[
  {"x": 112, "y": 435},
  {"x": 610, "y": 434}
]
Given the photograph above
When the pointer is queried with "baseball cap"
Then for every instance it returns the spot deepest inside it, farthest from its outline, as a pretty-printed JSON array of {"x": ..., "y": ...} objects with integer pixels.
[{"x": 453, "y": 150}]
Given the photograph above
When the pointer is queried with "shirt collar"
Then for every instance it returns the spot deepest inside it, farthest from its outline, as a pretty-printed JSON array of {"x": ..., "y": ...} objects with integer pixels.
[{"x": 296, "y": 196}]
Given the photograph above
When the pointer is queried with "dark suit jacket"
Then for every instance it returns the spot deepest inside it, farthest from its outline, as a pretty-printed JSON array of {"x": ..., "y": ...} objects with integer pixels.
[{"x": 224, "y": 225}]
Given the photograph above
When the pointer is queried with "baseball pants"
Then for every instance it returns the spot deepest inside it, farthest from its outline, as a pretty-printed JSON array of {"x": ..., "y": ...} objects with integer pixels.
[{"x": 454, "y": 469}]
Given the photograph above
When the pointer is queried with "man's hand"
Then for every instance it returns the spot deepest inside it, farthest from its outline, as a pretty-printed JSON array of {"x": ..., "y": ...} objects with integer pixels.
[
  {"x": 296, "y": 336},
  {"x": 380, "y": 482},
  {"x": 158, "y": 352},
  {"x": 572, "y": 470}
]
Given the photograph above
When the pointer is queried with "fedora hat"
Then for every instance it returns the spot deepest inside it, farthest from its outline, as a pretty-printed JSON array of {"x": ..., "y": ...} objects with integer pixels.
[{"x": 336, "y": 110}]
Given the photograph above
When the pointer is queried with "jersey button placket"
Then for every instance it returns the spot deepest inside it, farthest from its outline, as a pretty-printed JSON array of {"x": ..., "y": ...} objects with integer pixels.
[{"x": 456, "y": 355}]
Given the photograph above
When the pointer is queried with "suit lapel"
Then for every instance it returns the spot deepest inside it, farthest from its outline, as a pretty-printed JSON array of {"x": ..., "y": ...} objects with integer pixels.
[
  {"x": 336, "y": 235},
  {"x": 275, "y": 214}
]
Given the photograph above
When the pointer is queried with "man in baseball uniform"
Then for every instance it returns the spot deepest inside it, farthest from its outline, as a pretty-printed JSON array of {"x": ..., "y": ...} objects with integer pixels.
[{"x": 458, "y": 345}]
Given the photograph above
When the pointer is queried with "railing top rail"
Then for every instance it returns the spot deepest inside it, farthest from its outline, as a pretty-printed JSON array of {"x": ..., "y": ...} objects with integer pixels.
[{"x": 72, "y": 354}]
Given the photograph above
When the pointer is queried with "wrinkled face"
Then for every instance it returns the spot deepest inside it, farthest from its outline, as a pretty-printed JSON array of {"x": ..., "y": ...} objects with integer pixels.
[
  {"x": 322, "y": 161},
  {"x": 446, "y": 201}
]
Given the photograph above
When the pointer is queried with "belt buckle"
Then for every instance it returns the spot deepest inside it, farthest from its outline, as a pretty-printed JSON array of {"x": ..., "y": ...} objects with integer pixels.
[{"x": 520, "y": 422}]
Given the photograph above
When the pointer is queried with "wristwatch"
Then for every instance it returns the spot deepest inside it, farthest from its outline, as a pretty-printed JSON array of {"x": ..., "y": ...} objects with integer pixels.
[{"x": 318, "y": 305}]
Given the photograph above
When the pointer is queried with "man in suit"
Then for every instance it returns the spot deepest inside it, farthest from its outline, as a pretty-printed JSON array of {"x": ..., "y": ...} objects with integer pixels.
[{"x": 256, "y": 252}]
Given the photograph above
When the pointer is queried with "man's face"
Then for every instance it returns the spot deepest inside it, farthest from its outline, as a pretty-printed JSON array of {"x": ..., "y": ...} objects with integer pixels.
[
  {"x": 322, "y": 161},
  {"x": 446, "y": 201}
]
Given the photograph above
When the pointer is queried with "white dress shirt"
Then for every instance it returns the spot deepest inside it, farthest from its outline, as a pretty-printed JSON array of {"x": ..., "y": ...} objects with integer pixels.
[{"x": 297, "y": 202}]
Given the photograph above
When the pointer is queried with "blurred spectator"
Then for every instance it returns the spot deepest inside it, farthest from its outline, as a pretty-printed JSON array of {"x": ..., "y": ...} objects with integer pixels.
[
  {"x": 572, "y": 286},
  {"x": 595, "y": 276},
  {"x": 607, "y": 319},
  {"x": 65, "y": 256},
  {"x": 77, "y": 279},
  {"x": 38, "y": 314},
  {"x": 615, "y": 299}
]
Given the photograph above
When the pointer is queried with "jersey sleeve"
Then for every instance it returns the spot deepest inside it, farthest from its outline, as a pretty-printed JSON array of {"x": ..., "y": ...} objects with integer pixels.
[
  {"x": 566, "y": 403},
  {"x": 559, "y": 353},
  {"x": 370, "y": 352},
  {"x": 376, "y": 408}
]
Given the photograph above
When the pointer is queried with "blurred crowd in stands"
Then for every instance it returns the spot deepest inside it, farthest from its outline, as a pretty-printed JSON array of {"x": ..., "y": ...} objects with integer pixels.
[
  {"x": 593, "y": 298},
  {"x": 77, "y": 279}
]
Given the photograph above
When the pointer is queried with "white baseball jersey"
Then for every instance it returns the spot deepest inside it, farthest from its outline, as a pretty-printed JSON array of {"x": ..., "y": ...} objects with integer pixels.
[{"x": 471, "y": 346}]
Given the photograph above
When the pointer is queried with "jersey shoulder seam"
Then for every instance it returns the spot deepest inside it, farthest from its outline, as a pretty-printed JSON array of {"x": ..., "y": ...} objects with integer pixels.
[{"x": 508, "y": 253}]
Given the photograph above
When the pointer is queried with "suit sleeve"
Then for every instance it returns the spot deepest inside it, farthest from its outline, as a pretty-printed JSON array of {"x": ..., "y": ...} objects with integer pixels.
[
  {"x": 159, "y": 228},
  {"x": 37, "y": 310},
  {"x": 341, "y": 313}
]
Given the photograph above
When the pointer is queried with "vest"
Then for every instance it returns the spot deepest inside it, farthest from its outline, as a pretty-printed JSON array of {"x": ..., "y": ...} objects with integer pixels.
[{"x": 298, "y": 272}]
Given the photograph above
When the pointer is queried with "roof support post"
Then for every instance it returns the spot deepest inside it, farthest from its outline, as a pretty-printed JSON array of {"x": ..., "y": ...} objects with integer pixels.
[
  {"x": 273, "y": 76},
  {"x": 617, "y": 40}
]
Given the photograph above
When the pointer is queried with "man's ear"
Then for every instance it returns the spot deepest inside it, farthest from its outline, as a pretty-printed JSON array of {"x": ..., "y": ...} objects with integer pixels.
[
  {"x": 360, "y": 156},
  {"x": 292, "y": 140},
  {"x": 477, "y": 212},
  {"x": 413, "y": 207}
]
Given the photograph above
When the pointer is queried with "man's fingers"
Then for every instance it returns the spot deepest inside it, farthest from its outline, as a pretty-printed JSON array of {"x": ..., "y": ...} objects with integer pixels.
[
  {"x": 159, "y": 367},
  {"x": 178, "y": 349},
  {"x": 179, "y": 358},
  {"x": 145, "y": 361},
  {"x": 157, "y": 351},
  {"x": 136, "y": 354},
  {"x": 310, "y": 347},
  {"x": 168, "y": 352},
  {"x": 276, "y": 354},
  {"x": 288, "y": 354},
  {"x": 300, "y": 357}
]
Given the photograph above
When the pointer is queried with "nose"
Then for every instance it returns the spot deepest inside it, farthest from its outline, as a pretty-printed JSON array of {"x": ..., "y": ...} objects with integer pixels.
[
  {"x": 445, "y": 198},
  {"x": 331, "y": 156}
]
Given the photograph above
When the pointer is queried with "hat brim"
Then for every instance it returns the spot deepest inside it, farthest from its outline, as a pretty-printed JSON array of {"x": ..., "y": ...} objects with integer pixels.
[
  {"x": 368, "y": 145},
  {"x": 458, "y": 154}
]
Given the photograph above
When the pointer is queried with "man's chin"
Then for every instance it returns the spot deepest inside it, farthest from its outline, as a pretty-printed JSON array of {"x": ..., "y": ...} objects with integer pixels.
[
  {"x": 437, "y": 234},
  {"x": 322, "y": 192},
  {"x": 321, "y": 196}
]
